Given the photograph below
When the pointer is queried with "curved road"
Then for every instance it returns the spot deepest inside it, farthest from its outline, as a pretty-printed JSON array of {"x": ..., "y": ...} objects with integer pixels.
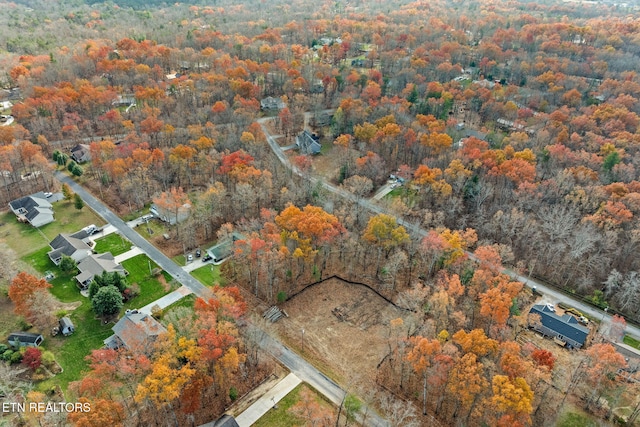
[
  {"x": 304, "y": 370},
  {"x": 551, "y": 295}
]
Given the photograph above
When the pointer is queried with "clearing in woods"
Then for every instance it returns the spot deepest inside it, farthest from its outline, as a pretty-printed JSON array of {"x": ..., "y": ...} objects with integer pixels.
[{"x": 346, "y": 328}]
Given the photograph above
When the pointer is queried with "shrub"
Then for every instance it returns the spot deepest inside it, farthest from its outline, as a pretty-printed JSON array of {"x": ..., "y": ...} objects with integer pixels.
[
  {"x": 6, "y": 355},
  {"x": 233, "y": 394},
  {"x": 282, "y": 296},
  {"x": 16, "y": 357}
]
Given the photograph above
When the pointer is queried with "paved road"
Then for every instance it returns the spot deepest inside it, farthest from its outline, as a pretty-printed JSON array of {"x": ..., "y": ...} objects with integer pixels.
[
  {"x": 309, "y": 374},
  {"x": 552, "y": 295},
  {"x": 288, "y": 358},
  {"x": 161, "y": 259}
]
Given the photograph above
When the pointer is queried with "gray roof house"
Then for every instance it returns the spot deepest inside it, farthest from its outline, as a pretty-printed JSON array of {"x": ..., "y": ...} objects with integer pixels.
[
  {"x": 74, "y": 245},
  {"x": 135, "y": 331},
  {"x": 271, "y": 103},
  {"x": 95, "y": 265},
  {"x": 66, "y": 326},
  {"x": 34, "y": 209},
  {"x": 565, "y": 328},
  {"x": 81, "y": 153},
  {"x": 307, "y": 143},
  {"x": 25, "y": 339},
  {"x": 169, "y": 216},
  {"x": 224, "y": 421}
]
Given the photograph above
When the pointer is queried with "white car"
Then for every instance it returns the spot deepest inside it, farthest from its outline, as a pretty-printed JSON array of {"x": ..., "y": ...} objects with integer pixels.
[
  {"x": 47, "y": 194},
  {"x": 189, "y": 257}
]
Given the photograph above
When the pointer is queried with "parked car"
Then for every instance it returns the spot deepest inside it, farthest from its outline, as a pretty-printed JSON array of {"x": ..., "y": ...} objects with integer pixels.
[
  {"x": 198, "y": 253},
  {"x": 48, "y": 194},
  {"x": 189, "y": 257}
]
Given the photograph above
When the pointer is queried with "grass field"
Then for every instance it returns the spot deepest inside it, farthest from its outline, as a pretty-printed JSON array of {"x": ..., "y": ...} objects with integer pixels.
[
  {"x": 209, "y": 275},
  {"x": 631, "y": 341},
  {"x": 24, "y": 239},
  {"x": 90, "y": 332},
  {"x": 151, "y": 289},
  {"x": 71, "y": 351},
  {"x": 114, "y": 243}
]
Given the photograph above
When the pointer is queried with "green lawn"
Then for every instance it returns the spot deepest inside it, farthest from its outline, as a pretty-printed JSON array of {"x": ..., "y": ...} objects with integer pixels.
[
  {"x": 114, "y": 243},
  {"x": 152, "y": 229},
  {"x": 181, "y": 260},
  {"x": 150, "y": 287},
  {"x": 90, "y": 332},
  {"x": 69, "y": 351},
  {"x": 283, "y": 417},
  {"x": 24, "y": 239},
  {"x": 631, "y": 341},
  {"x": 209, "y": 275}
]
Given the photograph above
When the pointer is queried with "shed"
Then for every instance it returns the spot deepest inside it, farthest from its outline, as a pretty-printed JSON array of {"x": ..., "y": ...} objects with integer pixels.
[
  {"x": 66, "y": 326},
  {"x": 25, "y": 339}
]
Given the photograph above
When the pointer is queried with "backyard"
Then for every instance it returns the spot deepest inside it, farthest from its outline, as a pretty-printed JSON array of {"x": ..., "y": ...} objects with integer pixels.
[
  {"x": 24, "y": 239},
  {"x": 90, "y": 331}
]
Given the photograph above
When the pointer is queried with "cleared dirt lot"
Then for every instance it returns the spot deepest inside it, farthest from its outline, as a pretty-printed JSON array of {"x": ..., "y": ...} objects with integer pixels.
[{"x": 346, "y": 329}]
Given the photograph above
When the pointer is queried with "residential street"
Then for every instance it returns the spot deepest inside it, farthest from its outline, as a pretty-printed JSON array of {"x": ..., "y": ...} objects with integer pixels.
[
  {"x": 304, "y": 370},
  {"x": 158, "y": 257},
  {"x": 552, "y": 295}
]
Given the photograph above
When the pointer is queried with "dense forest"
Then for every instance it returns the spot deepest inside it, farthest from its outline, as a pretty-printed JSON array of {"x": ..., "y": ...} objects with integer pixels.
[{"x": 513, "y": 127}]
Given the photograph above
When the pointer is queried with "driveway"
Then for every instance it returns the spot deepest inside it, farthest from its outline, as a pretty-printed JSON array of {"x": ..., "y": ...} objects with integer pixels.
[
  {"x": 129, "y": 254},
  {"x": 261, "y": 406},
  {"x": 166, "y": 300}
]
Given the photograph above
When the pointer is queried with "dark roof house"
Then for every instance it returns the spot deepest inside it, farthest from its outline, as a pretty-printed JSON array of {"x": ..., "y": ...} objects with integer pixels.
[
  {"x": 66, "y": 326},
  {"x": 34, "y": 209},
  {"x": 95, "y": 265},
  {"x": 81, "y": 153},
  {"x": 271, "y": 103},
  {"x": 25, "y": 339},
  {"x": 135, "y": 331},
  {"x": 565, "y": 328},
  {"x": 307, "y": 143},
  {"x": 224, "y": 421},
  {"x": 74, "y": 245}
]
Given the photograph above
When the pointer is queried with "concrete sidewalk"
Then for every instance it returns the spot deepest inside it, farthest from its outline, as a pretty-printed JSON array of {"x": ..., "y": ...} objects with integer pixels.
[
  {"x": 129, "y": 254},
  {"x": 261, "y": 406},
  {"x": 167, "y": 300}
]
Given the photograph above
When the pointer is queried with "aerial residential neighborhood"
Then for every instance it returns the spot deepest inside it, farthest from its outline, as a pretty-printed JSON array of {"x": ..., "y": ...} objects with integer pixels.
[{"x": 398, "y": 213}]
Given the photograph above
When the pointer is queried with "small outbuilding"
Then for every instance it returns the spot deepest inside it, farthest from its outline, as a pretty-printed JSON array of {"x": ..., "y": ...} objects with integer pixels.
[
  {"x": 25, "y": 339},
  {"x": 66, "y": 326}
]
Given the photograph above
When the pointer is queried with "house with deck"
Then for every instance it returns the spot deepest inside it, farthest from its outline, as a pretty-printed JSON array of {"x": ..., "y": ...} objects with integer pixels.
[
  {"x": 565, "y": 329},
  {"x": 34, "y": 209}
]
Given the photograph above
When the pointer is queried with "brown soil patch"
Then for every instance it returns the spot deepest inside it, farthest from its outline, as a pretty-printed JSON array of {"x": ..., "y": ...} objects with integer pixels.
[
  {"x": 346, "y": 328},
  {"x": 166, "y": 286}
]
